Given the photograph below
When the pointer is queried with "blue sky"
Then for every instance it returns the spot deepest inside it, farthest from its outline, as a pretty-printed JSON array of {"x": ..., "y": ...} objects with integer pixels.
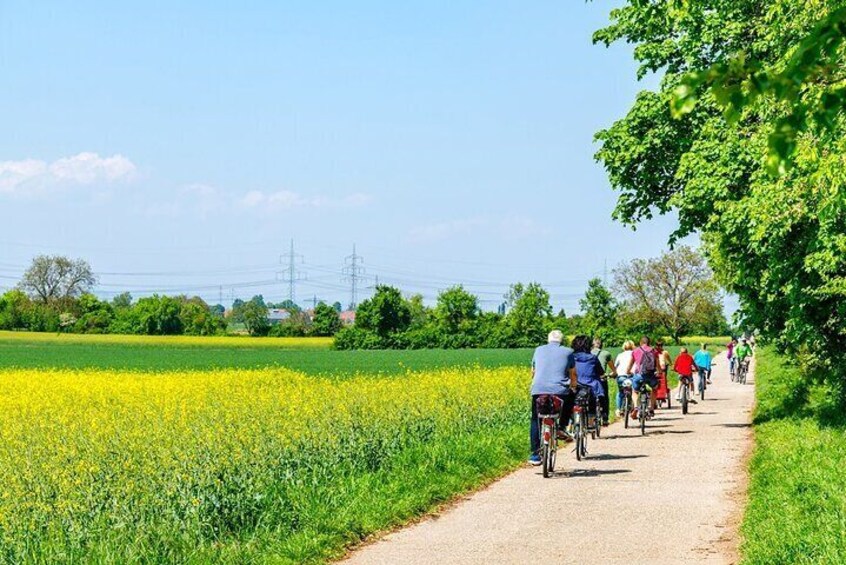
[{"x": 180, "y": 146}]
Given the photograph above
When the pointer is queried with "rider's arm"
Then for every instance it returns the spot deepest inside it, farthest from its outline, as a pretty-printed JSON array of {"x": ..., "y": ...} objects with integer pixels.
[{"x": 612, "y": 368}]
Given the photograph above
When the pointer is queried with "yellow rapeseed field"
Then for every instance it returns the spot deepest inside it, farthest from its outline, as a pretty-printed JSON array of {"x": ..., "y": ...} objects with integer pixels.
[
  {"x": 237, "y": 465},
  {"x": 169, "y": 340}
]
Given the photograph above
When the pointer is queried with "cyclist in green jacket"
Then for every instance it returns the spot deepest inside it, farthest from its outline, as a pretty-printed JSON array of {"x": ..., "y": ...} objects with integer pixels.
[{"x": 742, "y": 351}]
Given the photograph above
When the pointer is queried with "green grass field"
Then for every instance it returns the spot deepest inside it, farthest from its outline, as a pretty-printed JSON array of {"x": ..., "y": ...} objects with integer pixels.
[
  {"x": 797, "y": 492},
  {"x": 220, "y": 450},
  {"x": 238, "y": 353}
]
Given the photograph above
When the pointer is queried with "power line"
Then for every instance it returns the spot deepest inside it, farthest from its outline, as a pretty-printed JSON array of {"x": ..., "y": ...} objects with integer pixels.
[
  {"x": 354, "y": 273},
  {"x": 292, "y": 274}
]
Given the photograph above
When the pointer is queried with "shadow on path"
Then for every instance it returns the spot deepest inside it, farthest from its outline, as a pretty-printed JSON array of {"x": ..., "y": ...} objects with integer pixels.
[{"x": 612, "y": 457}]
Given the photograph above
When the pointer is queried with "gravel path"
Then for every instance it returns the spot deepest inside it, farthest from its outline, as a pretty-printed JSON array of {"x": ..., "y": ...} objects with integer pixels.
[{"x": 682, "y": 485}]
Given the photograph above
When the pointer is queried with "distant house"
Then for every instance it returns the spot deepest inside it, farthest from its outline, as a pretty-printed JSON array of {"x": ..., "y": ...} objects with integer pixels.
[
  {"x": 347, "y": 317},
  {"x": 276, "y": 315}
]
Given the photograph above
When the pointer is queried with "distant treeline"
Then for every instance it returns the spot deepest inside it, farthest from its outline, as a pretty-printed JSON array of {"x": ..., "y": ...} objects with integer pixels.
[{"x": 673, "y": 295}]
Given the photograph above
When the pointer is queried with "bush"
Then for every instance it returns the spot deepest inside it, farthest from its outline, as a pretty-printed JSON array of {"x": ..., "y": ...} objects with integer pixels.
[{"x": 358, "y": 338}]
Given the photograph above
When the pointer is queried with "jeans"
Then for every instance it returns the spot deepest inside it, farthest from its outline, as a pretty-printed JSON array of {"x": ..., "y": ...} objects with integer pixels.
[
  {"x": 620, "y": 380},
  {"x": 731, "y": 364},
  {"x": 568, "y": 399},
  {"x": 703, "y": 375}
]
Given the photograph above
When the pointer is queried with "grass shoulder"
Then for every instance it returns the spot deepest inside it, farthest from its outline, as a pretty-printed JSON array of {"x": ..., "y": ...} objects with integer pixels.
[{"x": 797, "y": 493}]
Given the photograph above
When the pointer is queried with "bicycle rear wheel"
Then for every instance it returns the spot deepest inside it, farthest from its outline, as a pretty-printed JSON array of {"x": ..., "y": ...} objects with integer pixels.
[
  {"x": 702, "y": 387},
  {"x": 547, "y": 453},
  {"x": 684, "y": 399},
  {"x": 642, "y": 412},
  {"x": 627, "y": 408}
]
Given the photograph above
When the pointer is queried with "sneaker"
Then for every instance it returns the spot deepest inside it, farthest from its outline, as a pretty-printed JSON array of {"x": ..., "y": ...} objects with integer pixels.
[
  {"x": 618, "y": 413},
  {"x": 535, "y": 460},
  {"x": 634, "y": 413},
  {"x": 708, "y": 381},
  {"x": 678, "y": 399},
  {"x": 564, "y": 436},
  {"x": 605, "y": 423},
  {"x": 692, "y": 401}
]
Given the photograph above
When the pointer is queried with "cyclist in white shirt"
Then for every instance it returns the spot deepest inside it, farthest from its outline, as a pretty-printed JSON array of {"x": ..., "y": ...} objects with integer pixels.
[{"x": 624, "y": 359}]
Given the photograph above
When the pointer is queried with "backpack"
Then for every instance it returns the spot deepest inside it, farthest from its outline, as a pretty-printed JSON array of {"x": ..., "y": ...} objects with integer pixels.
[{"x": 647, "y": 361}]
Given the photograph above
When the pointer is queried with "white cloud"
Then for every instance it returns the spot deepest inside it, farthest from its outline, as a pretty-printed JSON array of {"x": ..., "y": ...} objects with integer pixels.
[
  {"x": 33, "y": 175},
  {"x": 290, "y": 200}
]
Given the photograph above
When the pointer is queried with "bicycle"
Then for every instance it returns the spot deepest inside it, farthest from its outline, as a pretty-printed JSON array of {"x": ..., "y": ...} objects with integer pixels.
[
  {"x": 643, "y": 408},
  {"x": 703, "y": 378},
  {"x": 628, "y": 400},
  {"x": 685, "y": 398},
  {"x": 549, "y": 410},
  {"x": 580, "y": 422},
  {"x": 742, "y": 371}
]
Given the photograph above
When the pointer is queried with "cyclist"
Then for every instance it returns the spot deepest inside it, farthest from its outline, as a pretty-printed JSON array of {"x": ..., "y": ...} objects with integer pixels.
[
  {"x": 685, "y": 366},
  {"x": 553, "y": 372},
  {"x": 609, "y": 371},
  {"x": 589, "y": 373},
  {"x": 730, "y": 354},
  {"x": 742, "y": 351},
  {"x": 621, "y": 367},
  {"x": 645, "y": 366},
  {"x": 703, "y": 362}
]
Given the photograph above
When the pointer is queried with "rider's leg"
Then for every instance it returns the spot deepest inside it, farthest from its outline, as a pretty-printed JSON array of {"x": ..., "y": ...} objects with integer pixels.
[
  {"x": 604, "y": 402},
  {"x": 637, "y": 381},
  {"x": 566, "y": 409},
  {"x": 620, "y": 392},
  {"x": 534, "y": 429}
]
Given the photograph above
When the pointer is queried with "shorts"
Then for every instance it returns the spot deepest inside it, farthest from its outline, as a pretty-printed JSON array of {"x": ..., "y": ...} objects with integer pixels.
[{"x": 639, "y": 380}]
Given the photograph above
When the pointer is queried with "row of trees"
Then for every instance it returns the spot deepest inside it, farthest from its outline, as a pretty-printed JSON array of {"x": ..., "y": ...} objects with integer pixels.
[
  {"x": 744, "y": 142},
  {"x": 672, "y": 295},
  {"x": 55, "y": 295}
]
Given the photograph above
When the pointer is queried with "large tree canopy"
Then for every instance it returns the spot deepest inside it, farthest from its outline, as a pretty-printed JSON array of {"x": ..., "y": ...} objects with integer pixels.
[{"x": 705, "y": 145}]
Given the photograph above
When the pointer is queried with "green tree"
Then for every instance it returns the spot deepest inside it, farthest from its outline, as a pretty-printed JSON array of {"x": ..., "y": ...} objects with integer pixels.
[
  {"x": 326, "y": 320},
  {"x": 528, "y": 319},
  {"x": 122, "y": 301},
  {"x": 254, "y": 314},
  {"x": 456, "y": 310},
  {"x": 747, "y": 86},
  {"x": 672, "y": 294},
  {"x": 158, "y": 315},
  {"x": 600, "y": 311},
  {"x": 387, "y": 312}
]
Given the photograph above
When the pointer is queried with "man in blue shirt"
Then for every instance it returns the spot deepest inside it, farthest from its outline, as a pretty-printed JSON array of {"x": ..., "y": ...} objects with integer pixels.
[
  {"x": 702, "y": 360},
  {"x": 553, "y": 373}
]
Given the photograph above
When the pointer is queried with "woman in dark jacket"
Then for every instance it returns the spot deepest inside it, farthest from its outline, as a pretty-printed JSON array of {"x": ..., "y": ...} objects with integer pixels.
[{"x": 589, "y": 370}]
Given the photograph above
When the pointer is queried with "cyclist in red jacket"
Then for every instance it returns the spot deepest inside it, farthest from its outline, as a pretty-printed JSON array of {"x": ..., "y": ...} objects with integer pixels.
[{"x": 684, "y": 367}]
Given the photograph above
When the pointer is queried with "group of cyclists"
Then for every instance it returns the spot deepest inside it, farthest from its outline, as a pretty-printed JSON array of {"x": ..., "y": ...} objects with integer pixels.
[{"x": 584, "y": 368}]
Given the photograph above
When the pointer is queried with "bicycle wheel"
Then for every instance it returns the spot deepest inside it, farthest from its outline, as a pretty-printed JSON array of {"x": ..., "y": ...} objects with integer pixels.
[
  {"x": 584, "y": 426},
  {"x": 684, "y": 400},
  {"x": 598, "y": 419},
  {"x": 547, "y": 453},
  {"x": 627, "y": 408},
  {"x": 702, "y": 387},
  {"x": 578, "y": 433},
  {"x": 644, "y": 410}
]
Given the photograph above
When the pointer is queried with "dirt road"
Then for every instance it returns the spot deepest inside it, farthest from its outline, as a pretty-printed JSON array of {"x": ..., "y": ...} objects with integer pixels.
[{"x": 681, "y": 486}]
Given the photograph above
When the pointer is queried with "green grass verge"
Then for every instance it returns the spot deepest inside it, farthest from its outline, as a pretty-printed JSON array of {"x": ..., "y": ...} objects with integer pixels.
[
  {"x": 797, "y": 492},
  {"x": 156, "y": 357}
]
